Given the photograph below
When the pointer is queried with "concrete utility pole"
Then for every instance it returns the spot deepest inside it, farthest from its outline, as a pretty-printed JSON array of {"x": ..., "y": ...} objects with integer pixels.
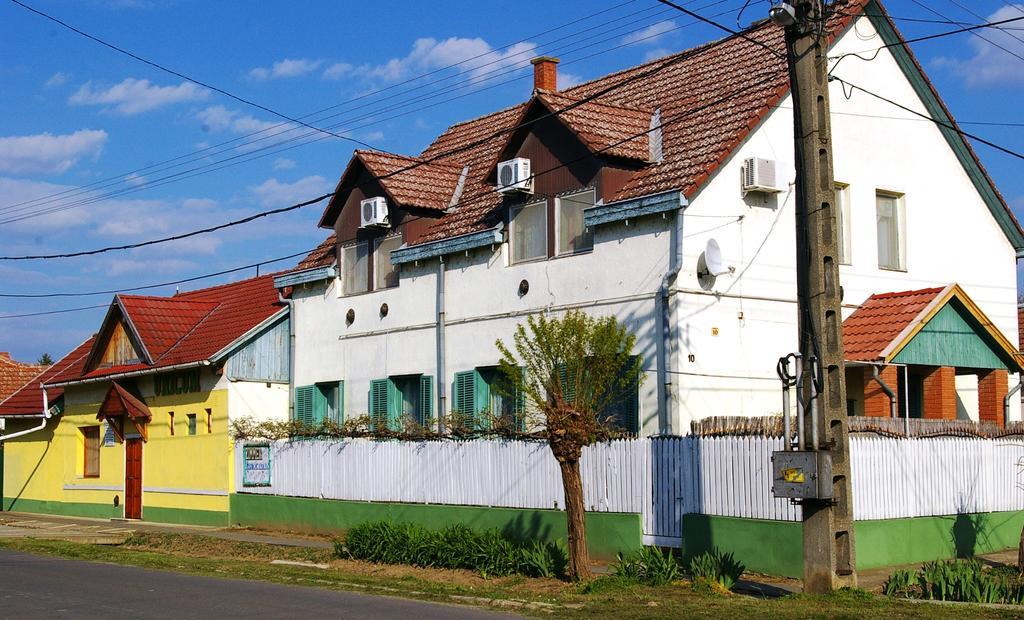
[{"x": 827, "y": 523}]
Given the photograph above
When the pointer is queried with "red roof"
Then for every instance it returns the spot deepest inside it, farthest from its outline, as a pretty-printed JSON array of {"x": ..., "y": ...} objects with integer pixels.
[
  {"x": 612, "y": 130},
  {"x": 15, "y": 374},
  {"x": 29, "y": 399},
  {"x": 872, "y": 327},
  {"x": 192, "y": 326}
]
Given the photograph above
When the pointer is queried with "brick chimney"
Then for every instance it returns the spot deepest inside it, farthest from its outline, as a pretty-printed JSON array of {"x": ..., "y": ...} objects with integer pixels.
[{"x": 545, "y": 73}]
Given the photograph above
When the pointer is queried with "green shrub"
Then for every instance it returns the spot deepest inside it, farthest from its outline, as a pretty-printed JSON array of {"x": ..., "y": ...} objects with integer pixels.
[
  {"x": 957, "y": 580},
  {"x": 455, "y": 546},
  {"x": 715, "y": 566},
  {"x": 901, "y": 583},
  {"x": 650, "y": 566}
]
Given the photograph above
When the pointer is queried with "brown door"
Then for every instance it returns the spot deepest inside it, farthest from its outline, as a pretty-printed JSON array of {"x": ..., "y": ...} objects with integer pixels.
[{"x": 133, "y": 479}]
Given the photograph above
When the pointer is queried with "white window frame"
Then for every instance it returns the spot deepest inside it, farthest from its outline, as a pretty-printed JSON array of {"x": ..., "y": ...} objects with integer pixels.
[
  {"x": 899, "y": 201},
  {"x": 559, "y": 250},
  {"x": 345, "y": 288},
  {"x": 513, "y": 214},
  {"x": 844, "y": 238},
  {"x": 377, "y": 286}
]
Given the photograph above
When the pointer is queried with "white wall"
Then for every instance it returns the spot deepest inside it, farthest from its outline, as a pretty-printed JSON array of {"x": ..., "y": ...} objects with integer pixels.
[
  {"x": 736, "y": 332},
  {"x": 261, "y": 401}
]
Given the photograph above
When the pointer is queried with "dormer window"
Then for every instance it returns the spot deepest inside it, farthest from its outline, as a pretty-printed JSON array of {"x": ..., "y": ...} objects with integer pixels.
[
  {"x": 572, "y": 234},
  {"x": 528, "y": 230}
]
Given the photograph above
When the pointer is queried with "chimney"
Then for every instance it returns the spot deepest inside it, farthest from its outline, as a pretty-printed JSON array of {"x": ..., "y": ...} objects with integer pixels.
[{"x": 545, "y": 73}]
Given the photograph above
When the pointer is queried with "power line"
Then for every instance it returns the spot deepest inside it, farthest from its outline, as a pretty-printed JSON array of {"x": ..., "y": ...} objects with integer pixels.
[
  {"x": 904, "y": 42},
  {"x": 175, "y": 73},
  {"x": 201, "y": 231},
  {"x": 153, "y": 286},
  {"x": 975, "y": 14},
  {"x": 116, "y": 179},
  {"x": 722, "y": 27},
  {"x": 63, "y": 311},
  {"x": 249, "y": 156},
  {"x": 983, "y": 38},
  {"x": 925, "y": 116}
]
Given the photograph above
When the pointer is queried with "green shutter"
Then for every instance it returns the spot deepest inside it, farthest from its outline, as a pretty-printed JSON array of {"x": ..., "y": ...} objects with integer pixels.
[
  {"x": 378, "y": 403},
  {"x": 624, "y": 411},
  {"x": 304, "y": 404},
  {"x": 465, "y": 395},
  {"x": 341, "y": 402},
  {"x": 396, "y": 404},
  {"x": 568, "y": 383},
  {"x": 426, "y": 399},
  {"x": 520, "y": 404},
  {"x": 482, "y": 398},
  {"x": 320, "y": 404}
]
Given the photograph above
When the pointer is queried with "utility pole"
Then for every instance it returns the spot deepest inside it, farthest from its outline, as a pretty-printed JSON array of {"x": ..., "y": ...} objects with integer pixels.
[{"x": 828, "y": 515}]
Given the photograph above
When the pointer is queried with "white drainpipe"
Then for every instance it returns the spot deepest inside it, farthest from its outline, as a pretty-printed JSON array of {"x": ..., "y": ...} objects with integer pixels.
[
  {"x": 291, "y": 352},
  {"x": 666, "y": 346},
  {"x": 44, "y": 417}
]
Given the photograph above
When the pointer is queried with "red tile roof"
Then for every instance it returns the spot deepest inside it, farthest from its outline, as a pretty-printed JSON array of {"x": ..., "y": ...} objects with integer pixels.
[
  {"x": 427, "y": 186},
  {"x": 872, "y": 327},
  {"x": 612, "y": 130},
  {"x": 29, "y": 399},
  {"x": 15, "y": 374},
  {"x": 323, "y": 256},
  {"x": 191, "y": 326}
]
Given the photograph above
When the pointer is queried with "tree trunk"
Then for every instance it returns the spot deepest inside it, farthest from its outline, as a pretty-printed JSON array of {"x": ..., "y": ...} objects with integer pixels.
[
  {"x": 1020, "y": 552},
  {"x": 575, "y": 515}
]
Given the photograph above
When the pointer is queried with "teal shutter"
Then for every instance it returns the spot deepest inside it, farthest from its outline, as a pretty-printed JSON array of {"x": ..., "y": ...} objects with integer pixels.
[
  {"x": 341, "y": 403},
  {"x": 396, "y": 404},
  {"x": 520, "y": 404},
  {"x": 426, "y": 399},
  {"x": 304, "y": 404},
  {"x": 625, "y": 409},
  {"x": 378, "y": 403},
  {"x": 465, "y": 395},
  {"x": 482, "y": 399},
  {"x": 567, "y": 383},
  {"x": 319, "y": 405}
]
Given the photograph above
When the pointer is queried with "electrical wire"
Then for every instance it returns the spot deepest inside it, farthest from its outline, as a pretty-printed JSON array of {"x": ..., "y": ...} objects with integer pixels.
[
  {"x": 722, "y": 27},
  {"x": 982, "y": 37},
  {"x": 116, "y": 179},
  {"x": 950, "y": 126},
  {"x": 62, "y": 311},
  {"x": 183, "y": 76},
  {"x": 250, "y": 156}
]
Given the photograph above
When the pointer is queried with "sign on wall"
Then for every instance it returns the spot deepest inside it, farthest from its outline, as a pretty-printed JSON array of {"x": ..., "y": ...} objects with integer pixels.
[
  {"x": 256, "y": 465},
  {"x": 176, "y": 383}
]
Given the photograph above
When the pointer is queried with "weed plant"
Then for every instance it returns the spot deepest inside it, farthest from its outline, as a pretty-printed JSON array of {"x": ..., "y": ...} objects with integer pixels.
[{"x": 957, "y": 580}]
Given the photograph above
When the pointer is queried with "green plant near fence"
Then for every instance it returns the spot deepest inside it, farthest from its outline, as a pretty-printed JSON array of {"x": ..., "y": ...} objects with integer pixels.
[
  {"x": 487, "y": 552},
  {"x": 957, "y": 580},
  {"x": 654, "y": 567}
]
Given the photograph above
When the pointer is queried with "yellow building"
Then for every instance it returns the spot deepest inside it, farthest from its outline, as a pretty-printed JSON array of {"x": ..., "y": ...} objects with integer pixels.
[{"x": 135, "y": 422}]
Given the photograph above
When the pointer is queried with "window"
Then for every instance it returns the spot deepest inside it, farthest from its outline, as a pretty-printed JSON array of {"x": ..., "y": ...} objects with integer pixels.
[
  {"x": 529, "y": 231},
  {"x": 403, "y": 397},
  {"x": 209, "y": 421},
  {"x": 842, "y": 207},
  {"x": 191, "y": 424},
  {"x": 889, "y": 212},
  {"x": 319, "y": 402},
  {"x": 622, "y": 409},
  {"x": 91, "y": 441},
  {"x": 385, "y": 274},
  {"x": 480, "y": 399},
  {"x": 572, "y": 234},
  {"x": 355, "y": 268},
  {"x": 170, "y": 421}
]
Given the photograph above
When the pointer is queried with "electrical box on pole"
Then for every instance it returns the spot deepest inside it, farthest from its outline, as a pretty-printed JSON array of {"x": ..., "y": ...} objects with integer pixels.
[{"x": 817, "y": 472}]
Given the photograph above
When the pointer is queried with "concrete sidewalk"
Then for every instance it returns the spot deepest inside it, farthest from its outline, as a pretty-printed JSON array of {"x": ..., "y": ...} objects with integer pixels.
[{"x": 115, "y": 531}]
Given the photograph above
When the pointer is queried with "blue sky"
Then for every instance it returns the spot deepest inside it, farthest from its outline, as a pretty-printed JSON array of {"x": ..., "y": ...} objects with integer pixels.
[{"x": 76, "y": 114}]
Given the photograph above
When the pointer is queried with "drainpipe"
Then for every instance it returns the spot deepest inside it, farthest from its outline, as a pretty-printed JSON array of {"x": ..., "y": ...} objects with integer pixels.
[
  {"x": 1006, "y": 400},
  {"x": 44, "y": 417},
  {"x": 666, "y": 345},
  {"x": 291, "y": 352},
  {"x": 441, "y": 397},
  {"x": 893, "y": 406}
]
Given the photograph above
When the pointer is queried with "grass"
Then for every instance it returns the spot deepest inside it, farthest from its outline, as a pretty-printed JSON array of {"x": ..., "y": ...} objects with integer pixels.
[{"x": 608, "y": 597}]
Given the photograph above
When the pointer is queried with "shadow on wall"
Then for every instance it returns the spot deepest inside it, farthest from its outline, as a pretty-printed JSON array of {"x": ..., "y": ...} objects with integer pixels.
[
  {"x": 969, "y": 533},
  {"x": 525, "y": 529},
  {"x": 47, "y": 434}
]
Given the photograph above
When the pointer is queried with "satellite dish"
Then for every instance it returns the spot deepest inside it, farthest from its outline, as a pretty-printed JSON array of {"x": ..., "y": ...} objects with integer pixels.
[{"x": 710, "y": 265}]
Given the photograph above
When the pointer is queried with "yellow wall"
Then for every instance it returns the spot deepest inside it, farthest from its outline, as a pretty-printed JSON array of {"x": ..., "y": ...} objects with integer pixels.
[{"x": 46, "y": 466}]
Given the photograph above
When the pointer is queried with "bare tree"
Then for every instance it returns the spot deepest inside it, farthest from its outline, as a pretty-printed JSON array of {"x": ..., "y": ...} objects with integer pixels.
[{"x": 573, "y": 371}]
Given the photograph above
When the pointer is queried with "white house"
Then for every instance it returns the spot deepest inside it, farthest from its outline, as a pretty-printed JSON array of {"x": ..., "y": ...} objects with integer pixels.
[{"x": 636, "y": 180}]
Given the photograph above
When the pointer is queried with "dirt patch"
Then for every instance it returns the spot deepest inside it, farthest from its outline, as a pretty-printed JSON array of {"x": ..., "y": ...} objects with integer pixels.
[{"x": 218, "y": 548}]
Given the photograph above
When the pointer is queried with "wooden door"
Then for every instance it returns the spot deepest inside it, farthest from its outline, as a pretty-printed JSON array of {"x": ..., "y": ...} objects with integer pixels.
[{"x": 133, "y": 479}]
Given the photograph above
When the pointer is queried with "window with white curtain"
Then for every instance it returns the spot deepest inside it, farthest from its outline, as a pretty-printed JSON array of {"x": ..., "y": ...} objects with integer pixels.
[
  {"x": 572, "y": 234},
  {"x": 889, "y": 220},
  {"x": 842, "y": 206},
  {"x": 529, "y": 232},
  {"x": 355, "y": 268}
]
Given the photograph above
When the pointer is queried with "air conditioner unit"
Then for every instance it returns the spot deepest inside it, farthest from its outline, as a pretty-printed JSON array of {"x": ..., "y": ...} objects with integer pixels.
[
  {"x": 373, "y": 212},
  {"x": 758, "y": 175},
  {"x": 514, "y": 176}
]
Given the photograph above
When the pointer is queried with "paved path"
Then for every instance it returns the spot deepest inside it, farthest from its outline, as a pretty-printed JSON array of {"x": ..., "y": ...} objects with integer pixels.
[{"x": 37, "y": 586}]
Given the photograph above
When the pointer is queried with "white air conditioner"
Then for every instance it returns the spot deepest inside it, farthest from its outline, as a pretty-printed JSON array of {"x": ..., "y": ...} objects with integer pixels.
[
  {"x": 373, "y": 212},
  {"x": 514, "y": 176},
  {"x": 758, "y": 175}
]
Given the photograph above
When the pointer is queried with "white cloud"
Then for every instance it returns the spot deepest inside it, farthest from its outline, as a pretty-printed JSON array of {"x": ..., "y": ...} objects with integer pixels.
[
  {"x": 283, "y": 163},
  {"x": 219, "y": 118},
  {"x": 479, "y": 58},
  {"x": 121, "y": 266},
  {"x": 568, "y": 80},
  {"x": 656, "y": 53},
  {"x": 133, "y": 96},
  {"x": 373, "y": 136},
  {"x": 199, "y": 204},
  {"x": 135, "y": 179},
  {"x": 650, "y": 34},
  {"x": 46, "y": 153},
  {"x": 286, "y": 68},
  {"x": 990, "y": 65},
  {"x": 337, "y": 71},
  {"x": 57, "y": 79},
  {"x": 273, "y": 193}
]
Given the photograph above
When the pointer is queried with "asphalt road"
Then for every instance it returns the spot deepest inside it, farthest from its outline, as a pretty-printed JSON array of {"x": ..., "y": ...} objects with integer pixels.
[{"x": 37, "y": 586}]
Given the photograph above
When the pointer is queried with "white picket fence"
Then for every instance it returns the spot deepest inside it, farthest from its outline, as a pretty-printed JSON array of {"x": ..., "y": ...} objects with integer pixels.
[{"x": 660, "y": 478}]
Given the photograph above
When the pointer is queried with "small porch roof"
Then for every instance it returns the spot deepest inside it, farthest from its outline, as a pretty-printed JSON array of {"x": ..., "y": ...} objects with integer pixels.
[
  {"x": 939, "y": 326},
  {"x": 120, "y": 401}
]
